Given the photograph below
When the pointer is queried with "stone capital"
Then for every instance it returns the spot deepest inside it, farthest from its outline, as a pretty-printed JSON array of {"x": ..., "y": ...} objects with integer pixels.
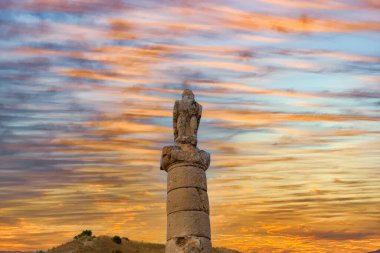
[{"x": 184, "y": 155}]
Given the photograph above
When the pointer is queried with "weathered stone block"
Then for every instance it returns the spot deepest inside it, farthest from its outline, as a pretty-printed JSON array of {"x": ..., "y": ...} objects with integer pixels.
[
  {"x": 186, "y": 176},
  {"x": 187, "y": 199},
  {"x": 188, "y": 244},
  {"x": 188, "y": 223},
  {"x": 172, "y": 155}
]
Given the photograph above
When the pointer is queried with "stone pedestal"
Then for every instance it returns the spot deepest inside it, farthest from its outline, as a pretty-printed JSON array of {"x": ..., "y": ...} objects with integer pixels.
[{"x": 188, "y": 222}]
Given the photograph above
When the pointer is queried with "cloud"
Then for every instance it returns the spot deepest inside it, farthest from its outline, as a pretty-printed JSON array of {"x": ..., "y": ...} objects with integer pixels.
[
  {"x": 348, "y": 57},
  {"x": 222, "y": 65},
  {"x": 262, "y": 38},
  {"x": 247, "y": 21},
  {"x": 330, "y": 5},
  {"x": 228, "y": 88},
  {"x": 333, "y": 235},
  {"x": 81, "y": 6},
  {"x": 247, "y": 118}
]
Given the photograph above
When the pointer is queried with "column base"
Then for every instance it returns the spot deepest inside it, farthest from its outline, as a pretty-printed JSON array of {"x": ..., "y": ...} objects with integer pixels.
[{"x": 188, "y": 244}]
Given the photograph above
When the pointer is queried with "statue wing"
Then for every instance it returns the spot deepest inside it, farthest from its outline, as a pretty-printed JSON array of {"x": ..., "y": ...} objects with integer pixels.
[
  {"x": 175, "y": 118},
  {"x": 199, "y": 115}
]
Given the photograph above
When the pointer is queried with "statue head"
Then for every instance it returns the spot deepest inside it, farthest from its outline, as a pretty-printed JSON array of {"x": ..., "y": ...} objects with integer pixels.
[{"x": 187, "y": 95}]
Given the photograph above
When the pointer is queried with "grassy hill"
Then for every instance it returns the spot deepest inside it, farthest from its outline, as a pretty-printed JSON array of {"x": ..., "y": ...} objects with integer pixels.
[{"x": 106, "y": 244}]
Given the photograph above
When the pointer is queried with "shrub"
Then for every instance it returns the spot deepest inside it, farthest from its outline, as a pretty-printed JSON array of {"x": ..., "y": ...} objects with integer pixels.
[
  {"x": 84, "y": 233},
  {"x": 116, "y": 239}
]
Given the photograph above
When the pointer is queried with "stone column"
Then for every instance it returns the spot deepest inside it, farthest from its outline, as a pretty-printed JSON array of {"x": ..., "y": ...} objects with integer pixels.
[{"x": 188, "y": 222}]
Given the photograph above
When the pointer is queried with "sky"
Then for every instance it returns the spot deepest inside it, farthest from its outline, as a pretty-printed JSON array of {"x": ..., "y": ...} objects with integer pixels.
[{"x": 290, "y": 92}]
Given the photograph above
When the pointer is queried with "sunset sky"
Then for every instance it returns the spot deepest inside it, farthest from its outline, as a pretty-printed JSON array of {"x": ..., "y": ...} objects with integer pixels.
[{"x": 291, "y": 116}]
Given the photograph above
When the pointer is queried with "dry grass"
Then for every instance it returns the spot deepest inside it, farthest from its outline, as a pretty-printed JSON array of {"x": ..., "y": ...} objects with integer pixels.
[{"x": 105, "y": 244}]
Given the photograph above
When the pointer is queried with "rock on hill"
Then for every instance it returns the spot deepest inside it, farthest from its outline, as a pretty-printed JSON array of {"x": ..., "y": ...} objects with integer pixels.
[{"x": 105, "y": 244}]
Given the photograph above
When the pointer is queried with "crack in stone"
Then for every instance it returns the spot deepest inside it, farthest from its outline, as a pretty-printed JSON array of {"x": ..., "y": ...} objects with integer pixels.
[
  {"x": 202, "y": 200},
  {"x": 188, "y": 210},
  {"x": 198, "y": 188}
]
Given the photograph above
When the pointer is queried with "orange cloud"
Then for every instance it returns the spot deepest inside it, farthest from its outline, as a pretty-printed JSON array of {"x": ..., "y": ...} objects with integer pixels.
[
  {"x": 228, "y": 88},
  {"x": 323, "y": 5},
  {"x": 350, "y": 57},
  {"x": 248, "y": 21},
  {"x": 246, "y": 118},
  {"x": 221, "y": 65},
  {"x": 261, "y": 38},
  {"x": 80, "y": 6}
]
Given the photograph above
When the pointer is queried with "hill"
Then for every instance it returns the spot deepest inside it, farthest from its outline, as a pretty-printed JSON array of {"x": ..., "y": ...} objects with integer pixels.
[
  {"x": 106, "y": 244},
  {"x": 17, "y": 251}
]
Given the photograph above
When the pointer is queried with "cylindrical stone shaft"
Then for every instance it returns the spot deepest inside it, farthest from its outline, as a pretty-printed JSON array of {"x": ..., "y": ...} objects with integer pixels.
[{"x": 188, "y": 222}]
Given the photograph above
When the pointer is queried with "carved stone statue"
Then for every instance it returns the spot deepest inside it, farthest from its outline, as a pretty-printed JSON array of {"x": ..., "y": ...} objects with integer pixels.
[{"x": 186, "y": 117}]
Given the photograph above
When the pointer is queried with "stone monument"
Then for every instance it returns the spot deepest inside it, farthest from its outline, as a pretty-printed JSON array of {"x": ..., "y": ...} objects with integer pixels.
[{"x": 188, "y": 221}]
